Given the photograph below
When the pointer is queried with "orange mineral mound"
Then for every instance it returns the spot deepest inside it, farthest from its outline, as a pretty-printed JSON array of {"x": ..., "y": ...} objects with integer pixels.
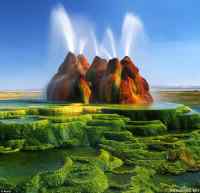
[
  {"x": 110, "y": 82},
  {"x": 69, "y": 83},
  {"x": 103, "y": 81},
  {"x": 134, "y": 88},
  {"x": 94, "y": 76}
]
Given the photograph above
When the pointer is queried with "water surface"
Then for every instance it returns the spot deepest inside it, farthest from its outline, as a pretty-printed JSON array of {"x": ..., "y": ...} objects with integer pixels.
[{"x": 18, "y": 167}]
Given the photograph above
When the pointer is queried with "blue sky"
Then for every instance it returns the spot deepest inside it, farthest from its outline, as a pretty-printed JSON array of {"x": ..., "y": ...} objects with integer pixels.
[{"x": 172, "y": 27}]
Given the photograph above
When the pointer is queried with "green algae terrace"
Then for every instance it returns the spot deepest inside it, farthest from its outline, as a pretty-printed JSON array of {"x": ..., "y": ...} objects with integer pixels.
[{"x": 74, "y": 148}]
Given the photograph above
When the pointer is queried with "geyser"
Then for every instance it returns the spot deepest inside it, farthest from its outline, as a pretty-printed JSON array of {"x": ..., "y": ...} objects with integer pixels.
[
  {"x": 79, "y": 36},
  {"x": 103, "y": 81},
  {"x": 112, "y": 42},
  {"x": 132, "y": 26},
  {"x": 63, "y": 24}
]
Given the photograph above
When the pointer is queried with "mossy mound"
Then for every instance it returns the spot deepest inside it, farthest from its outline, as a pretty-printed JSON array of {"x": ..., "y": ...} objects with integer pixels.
[
  {"x": 72, "y": 176},
  {"x": 107, "y": 161},
  {"x": 168, "y": 115},
  {"x": 42, "y": 133},
  {"x": 146, "y": 128},
  {"x": 65, "y": 119},
  {"x": 9, "y": 113},
  {"x": 57, "y": 110}
]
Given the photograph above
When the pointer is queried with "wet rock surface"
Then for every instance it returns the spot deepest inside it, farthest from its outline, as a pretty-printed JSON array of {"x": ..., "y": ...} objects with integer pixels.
[
  {"x": 69, "y": 83},
  {"x": 103, "y": 81}
]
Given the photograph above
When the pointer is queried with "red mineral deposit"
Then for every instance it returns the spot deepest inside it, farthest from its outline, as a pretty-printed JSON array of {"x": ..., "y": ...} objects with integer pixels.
[
  {"x": 103, "y": 81},
  {"x": 69, "y": 83}
]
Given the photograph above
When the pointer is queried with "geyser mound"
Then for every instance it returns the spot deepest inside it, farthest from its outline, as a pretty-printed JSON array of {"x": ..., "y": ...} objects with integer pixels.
[
  {"x": 103, "y": 81},
  {"x": 69, "y": 83}
]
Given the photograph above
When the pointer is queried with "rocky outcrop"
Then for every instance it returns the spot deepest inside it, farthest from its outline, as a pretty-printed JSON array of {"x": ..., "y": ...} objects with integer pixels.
[
  {"x": 114, "y": 81},
  {"x": 69, "y": 83}
]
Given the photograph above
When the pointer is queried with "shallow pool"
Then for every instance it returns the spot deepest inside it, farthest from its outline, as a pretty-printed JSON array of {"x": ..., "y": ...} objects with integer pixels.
[
  {"x": 18, "y": 167},
  {"x": 21, "y": 103}
]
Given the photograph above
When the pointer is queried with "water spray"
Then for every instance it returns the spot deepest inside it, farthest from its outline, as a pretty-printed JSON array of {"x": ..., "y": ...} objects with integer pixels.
[{"x": 77, "y": 41}]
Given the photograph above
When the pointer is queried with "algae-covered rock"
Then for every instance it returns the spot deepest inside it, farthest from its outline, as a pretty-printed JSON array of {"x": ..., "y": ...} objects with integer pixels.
[
  {"x": 32, "y": 186},
  {"x": 147, "y": 128},
  {"x": 65, "y": 119},
  {"x": 57, "y": 177},
  {"x": 97, "y": 127},
  {"x": 107, "y": 161},
  {"x": 45, "y": 180},
  {"x": 89, "y": 178},
  {"x": 16, "y": 128},
  {"x": 9, "y": 113},
  {"x": 142, "y": 181},
  {"x": 71, "y": 176},
  {"x": 96, "y": 133},
  {"x": 189, "y": 120},
  {"x": 75, "y": 109},
  {"x": 127, "y": 141},
  {"x": 40, "y": 133},
  {"x": 174, "y": 168},
  {"x": 119, "y": 135},
  {"x": 7, "y": 150},
  {"x": 170, "y": 116},
  {"x": 12, "y": 146},
  {"x": 69, "y": 134},
  {"x": 117, "y": 124},
  {"x": 103, "y": 116},
  {"x": 130, "y": 151}
]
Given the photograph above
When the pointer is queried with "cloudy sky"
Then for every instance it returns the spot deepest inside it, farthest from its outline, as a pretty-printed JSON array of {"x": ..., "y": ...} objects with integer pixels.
[{"x": 170, "y": 57}]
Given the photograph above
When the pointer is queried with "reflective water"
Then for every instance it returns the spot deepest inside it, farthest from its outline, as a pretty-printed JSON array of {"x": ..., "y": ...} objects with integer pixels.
[
  {"x": 187, "y": 179},
  {"x": 17, "y": 167},
  {"x": 38, "y": 102}
]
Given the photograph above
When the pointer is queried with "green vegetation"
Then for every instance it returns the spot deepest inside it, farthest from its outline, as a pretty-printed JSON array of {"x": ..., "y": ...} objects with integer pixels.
[
  {"x": 132, "y": 149},
  {"x": 11, "y": 113},
  {"x": 108, "y": 161},
  {"x": 146, "y": 128}
]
